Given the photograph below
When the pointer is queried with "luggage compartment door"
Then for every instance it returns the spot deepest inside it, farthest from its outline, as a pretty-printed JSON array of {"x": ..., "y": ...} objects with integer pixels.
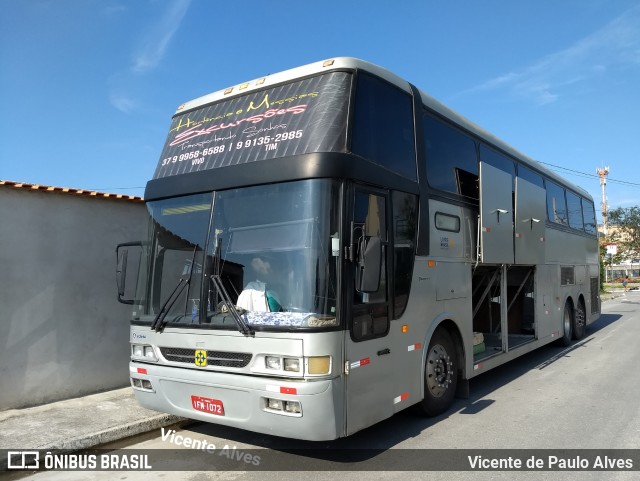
[
  {"x": 530, "y": 223},
  {"x": 496, "y": 216}
]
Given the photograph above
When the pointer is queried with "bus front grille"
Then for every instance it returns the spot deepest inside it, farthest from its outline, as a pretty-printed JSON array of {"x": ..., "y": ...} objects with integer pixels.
[{"x": 214, "y": 358}]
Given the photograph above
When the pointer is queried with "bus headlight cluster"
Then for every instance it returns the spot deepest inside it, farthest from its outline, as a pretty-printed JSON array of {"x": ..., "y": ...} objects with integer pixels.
[
  {"x": 312, "y": 366},
  {"x": 292, "y": 408},
  {"x": 143, "y": 352},
  {"x": 291, "y": 364}
]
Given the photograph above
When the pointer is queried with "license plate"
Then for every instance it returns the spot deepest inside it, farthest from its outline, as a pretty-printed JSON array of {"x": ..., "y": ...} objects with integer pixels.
[{"x": 207, "y": 405}]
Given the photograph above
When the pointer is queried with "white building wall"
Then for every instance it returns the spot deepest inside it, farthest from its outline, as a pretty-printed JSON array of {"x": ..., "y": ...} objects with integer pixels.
[{"x": 62, "y": 332}]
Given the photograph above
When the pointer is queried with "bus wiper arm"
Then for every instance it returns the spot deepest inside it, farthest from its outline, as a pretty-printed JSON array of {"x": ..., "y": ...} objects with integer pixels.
[
  {"x": 158, "y": 322},
  {"x": 243, "y": 327}
]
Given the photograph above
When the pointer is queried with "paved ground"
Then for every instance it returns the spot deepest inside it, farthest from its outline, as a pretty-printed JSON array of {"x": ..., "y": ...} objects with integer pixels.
[{"x": 79, "y": 423}]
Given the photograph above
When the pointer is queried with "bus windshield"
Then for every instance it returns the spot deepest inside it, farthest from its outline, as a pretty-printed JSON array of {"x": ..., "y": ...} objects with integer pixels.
[{"x": 270, "y": 246}]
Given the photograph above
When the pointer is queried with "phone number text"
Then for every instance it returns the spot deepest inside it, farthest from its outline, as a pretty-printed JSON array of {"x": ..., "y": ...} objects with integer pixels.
[{"x": 269, "y": 141}]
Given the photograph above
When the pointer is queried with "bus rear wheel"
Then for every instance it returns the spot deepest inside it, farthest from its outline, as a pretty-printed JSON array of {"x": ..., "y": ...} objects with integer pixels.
[
  {"x": 441, "y": 374},
  {"x": 579, "y": 321}
]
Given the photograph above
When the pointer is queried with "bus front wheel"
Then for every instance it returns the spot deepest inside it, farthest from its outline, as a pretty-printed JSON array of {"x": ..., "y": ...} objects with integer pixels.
[{"x": 441, "y": 374}]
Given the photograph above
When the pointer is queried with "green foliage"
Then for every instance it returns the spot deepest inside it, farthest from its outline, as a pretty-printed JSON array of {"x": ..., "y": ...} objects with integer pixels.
[{"x": 626, "y": 233}]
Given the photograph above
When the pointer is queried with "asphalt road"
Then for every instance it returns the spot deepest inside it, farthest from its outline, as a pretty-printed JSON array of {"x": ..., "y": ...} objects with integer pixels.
[{"x": 583, "y": 397}]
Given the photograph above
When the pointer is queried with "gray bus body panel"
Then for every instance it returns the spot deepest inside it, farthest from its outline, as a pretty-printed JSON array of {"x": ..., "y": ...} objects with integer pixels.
[
  {"x": 530, "y": 223},
  {"x": 496, "y": 218}
]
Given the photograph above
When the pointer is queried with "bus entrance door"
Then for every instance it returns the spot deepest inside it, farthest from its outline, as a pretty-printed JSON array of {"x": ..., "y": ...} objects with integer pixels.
[
  {"x": 369, "y": 362},
  {"x": 496, "y": 216}
]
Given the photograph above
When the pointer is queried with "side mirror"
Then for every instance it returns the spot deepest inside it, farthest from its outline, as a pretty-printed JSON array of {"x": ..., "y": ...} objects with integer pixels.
[
  {"x": 121, "y": 271},
  {"x": 369, "y": 264},
  {"x": 122, "y": 262}
]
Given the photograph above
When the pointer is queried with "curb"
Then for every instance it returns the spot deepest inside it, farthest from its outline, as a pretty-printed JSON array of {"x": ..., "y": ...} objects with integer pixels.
[{"x": 116, "y": 433}]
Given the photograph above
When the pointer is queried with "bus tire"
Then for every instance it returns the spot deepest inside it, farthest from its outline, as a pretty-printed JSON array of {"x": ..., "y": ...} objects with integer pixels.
[
  {"x": 579, "y": 321},
  {"x": 440, "y": 374},
  {"x": 567, "y": 325}
]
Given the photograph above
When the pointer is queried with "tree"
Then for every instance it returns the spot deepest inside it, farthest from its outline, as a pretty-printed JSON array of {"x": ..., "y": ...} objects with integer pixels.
[{"x": 626, "y": 231}]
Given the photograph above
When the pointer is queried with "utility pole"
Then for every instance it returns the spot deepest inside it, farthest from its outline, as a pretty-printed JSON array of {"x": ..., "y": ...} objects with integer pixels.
[{"x": 603, "y": 173}]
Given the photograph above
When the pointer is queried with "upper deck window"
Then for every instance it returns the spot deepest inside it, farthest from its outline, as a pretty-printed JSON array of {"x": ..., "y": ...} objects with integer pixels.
[
  {"x": 574, "y": 210},
  {"x": 556, "y": 205},
  {"x": 530, "y": 176},
  {"x": 498, "y": 160},
  {"x": 589, "y": 216},
  {"x": 452, "y": 163},
  {"x": 383, "y": 126}
]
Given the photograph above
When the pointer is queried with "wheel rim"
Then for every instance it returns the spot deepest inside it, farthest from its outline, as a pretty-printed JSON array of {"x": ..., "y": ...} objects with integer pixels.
[
  {"x": 439, "y": 371},
  {"x": 580, "y": 317}
]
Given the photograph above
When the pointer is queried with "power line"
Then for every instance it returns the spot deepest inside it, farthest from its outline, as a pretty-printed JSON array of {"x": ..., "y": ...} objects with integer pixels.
[{"x": 586, "y": 174}]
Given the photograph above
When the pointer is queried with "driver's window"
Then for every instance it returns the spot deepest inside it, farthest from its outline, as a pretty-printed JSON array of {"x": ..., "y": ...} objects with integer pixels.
[
  {"x": 370, "y": 212},
  {"x": 370, "y": 310}
]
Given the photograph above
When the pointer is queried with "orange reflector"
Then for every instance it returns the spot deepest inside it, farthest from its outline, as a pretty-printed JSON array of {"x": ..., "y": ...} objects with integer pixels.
[
  {"x": 142, "y": 370},
  {"x": 328, "y": 63},
  {"x": 243, "y": 86},
  {"x": 288, "y": 390},
  {"x": 431, "y": 263},
  {"x": 181, "y": 107},
  {"x": 260, "y": 81},
  {"x": 405, "y": 328},
  {"x": 228, "y": 91}
]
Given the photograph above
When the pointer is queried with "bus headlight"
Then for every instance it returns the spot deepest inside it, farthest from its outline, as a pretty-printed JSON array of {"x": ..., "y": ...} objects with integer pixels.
[
  {"x": 143, "y": 352},
  {"x": 292, "y": 364},
  {"x": 272, "y": 362}
]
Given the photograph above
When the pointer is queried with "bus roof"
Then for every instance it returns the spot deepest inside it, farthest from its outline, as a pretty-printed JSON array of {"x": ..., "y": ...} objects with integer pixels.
[{"x": 349, "y": 63}]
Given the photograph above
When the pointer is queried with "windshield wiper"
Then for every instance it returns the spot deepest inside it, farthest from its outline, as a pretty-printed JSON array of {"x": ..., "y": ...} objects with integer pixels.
[
  {"x": 158, "y": 322},
  {"x": 243, "y": 327}
]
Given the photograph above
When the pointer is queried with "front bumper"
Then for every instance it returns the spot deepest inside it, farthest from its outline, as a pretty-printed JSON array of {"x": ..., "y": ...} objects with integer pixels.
[{"x": 243, "y": 398}]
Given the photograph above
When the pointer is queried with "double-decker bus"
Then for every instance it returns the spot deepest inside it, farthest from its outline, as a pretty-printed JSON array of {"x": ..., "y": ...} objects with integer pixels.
[{"x": 330, "y": 245}]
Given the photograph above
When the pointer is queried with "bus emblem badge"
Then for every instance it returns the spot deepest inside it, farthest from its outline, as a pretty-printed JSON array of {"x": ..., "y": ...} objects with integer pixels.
[{"x": 201, "y": 358}]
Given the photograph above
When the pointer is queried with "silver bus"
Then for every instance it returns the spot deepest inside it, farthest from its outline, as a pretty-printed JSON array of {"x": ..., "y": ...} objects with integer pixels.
[{"x": 330, "y": 245}]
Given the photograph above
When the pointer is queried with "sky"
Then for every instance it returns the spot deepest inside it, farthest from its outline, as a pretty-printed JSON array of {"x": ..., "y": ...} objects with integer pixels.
[{"x": 88, "y": 87}]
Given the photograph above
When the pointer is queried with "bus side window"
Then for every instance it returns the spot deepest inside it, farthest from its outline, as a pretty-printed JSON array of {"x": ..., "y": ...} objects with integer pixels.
[
  {"x": 589, "y": 215},
  {"x": 405, "y": 218},
  {"x": 499, "y": 161},
  {"x": 452, "y": 162},
  {"x": 574, "y": 211},
  {"x": 556, "y": 204},
  {"x": 383, "y": 126},
  {"x": 370, "y": 309}
]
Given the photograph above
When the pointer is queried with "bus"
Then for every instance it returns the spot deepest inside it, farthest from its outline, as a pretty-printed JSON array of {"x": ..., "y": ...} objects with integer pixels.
[{"x": 330, "y": 245}]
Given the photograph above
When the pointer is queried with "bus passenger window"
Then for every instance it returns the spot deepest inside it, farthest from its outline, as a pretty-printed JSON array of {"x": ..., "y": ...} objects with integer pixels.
[
  {"x": 574, "y": 209},
  {"x": 383, "y": 126},
  {"x": 556, "y": 205},
  {"x": 452, "y": 163},
  {"x": 589, "y": 216},
  {"x": 499, "y": 161}
]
